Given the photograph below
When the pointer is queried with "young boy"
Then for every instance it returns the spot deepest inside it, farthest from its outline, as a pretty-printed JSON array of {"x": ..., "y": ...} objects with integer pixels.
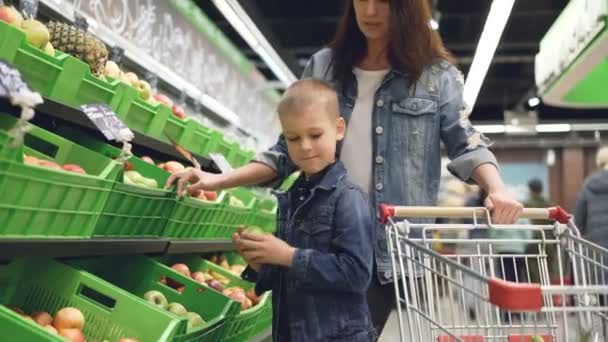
[{"x": 319, "y": 264}]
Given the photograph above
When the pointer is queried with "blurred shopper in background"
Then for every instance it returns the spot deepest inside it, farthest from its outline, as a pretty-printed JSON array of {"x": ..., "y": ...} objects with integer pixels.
[{"x": 591, "y": 213}]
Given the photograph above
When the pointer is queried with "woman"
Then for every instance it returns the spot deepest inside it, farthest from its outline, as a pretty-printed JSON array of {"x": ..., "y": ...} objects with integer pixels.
[{"x": 400, "y": 97}]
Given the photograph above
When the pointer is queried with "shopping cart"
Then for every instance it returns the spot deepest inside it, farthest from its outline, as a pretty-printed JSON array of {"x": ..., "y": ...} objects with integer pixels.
[{"x": 463, "y": 295}]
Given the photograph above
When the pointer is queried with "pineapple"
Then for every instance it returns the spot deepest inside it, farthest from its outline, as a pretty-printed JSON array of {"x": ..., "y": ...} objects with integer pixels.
[{"x": 79, "y": 44}]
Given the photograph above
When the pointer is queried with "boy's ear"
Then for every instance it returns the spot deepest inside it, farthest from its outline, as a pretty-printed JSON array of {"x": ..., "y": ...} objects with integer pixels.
[{"x": 340, "y": 128}]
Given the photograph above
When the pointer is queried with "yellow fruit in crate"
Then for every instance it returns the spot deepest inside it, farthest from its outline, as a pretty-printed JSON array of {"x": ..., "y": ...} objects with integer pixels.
[
  {"x": 112, "y": 70},
  {"x": 37, "y": 34},
  {"x": 10, "y": 15},
  {"x": 49, "y": 49}
]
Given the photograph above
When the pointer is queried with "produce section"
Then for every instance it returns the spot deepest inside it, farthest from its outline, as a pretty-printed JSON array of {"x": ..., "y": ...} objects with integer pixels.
[{"x": 70, "y": 193}]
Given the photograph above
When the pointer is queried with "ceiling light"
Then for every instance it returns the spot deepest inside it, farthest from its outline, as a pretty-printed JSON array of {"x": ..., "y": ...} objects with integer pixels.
[
  {"x": 490, "y": 129},
  {"x": 242, "y": 23},
  {"x": 492, "y": 31},
  {"x": 533, "y": 101},
  {"x": 553, "y": 128}
]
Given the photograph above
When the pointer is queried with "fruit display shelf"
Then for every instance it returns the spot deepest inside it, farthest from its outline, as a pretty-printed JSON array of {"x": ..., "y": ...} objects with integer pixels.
[
  {"x": 51, "y": 112},
  {"x": 11, "y": 248}
]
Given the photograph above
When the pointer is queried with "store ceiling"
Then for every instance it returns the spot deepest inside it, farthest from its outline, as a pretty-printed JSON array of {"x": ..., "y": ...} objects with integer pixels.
[{"x": 297, "y": 29}]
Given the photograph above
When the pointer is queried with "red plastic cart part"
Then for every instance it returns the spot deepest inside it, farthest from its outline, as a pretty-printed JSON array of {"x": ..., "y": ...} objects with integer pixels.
[
  {"x": 470, "y": 338},
  {"x": 559, "y": 214},
  {"x": 386, "y": 211},
  {"x": 528, "y": 338},
  {"x": 515, "y": 297}
]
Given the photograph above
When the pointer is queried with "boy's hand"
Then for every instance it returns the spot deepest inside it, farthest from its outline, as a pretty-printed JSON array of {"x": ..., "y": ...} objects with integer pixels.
[
  {"x": 236, "y": 239},
  {"x": 266, "y": 249},
  {"x": 199, "y": 180}
]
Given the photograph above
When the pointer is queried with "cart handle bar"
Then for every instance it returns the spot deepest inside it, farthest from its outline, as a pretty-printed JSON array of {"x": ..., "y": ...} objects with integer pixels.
[{"x": 388, "y": 211}]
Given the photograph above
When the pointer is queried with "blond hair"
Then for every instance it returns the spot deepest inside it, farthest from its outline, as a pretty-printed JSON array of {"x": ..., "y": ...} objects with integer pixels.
[
  {"x": 602, "y": 158},
  {"x": 303, "y": 94}
]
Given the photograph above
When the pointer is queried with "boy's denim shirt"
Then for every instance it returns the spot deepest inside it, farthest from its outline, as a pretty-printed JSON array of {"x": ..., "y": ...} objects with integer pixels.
[
  {"x": 325, "y": 289},
  {"x": 410, "y": 120}
]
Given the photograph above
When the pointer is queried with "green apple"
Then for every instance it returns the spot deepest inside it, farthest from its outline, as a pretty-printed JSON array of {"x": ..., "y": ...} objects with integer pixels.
[
  {"x": 150, "y": 183},
  {"x": 112, "y": 69},
  {"x": 143, "y": 88},
  {"x": 194, "y": 320},
  {"x": 37, "y": 34},
  {"x": 49, "y": 49},
  {"x": 537, "y": 338},
  {"x": 254, "y": 230},
  {"x": 156, "y": 298},
  {"x": 134, "y": 176},
  {"x": 177, "y": 309}
]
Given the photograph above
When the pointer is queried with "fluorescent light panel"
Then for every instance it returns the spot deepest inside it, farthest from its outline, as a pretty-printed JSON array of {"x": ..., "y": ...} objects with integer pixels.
[
  {"x": 242, "y": 23},
  {"x": 500, "y": 12}
]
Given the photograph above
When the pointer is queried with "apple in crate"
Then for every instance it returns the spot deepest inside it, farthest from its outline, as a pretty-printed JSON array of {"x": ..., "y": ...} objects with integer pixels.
[
  {"x": 194, "y": 321},
  {"x": 164, "y": 99},
  {"x": 51, "y": 329},
  {"x": 69, "y": 318},
  {"x": 42, "y": 318},
  {"x": 143, "y": 88},
  {"x": 74, "y": 168},
  {"x": 177, "y": 309},
  {"x": 211, "y": 195},
  {"x": 10, "y": 15},
  {"x": 37, "y": 34},
  {"x": 72, "y": 335},
  {"x": 112, "y": 69},
  {"x": 201, "y": 277},
  {"x": 182, "y": 268},
  {"x": 173, "y": 167},
  {"x": 179, "y": 111},
  {"x": 147, "y": 160},
  {"x": 156, "y": 298}
]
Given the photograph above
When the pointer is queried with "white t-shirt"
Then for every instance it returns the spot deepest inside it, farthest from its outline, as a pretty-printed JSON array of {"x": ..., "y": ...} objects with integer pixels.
[{"x": 356, "y": 153}]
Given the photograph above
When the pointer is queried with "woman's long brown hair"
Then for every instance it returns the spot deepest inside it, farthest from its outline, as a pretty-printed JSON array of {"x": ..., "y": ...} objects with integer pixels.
[{"x": 413, "y": 45}]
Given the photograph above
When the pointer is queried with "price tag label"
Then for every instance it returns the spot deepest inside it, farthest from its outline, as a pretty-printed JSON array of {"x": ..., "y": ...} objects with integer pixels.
[
  {"x": 29, "y": 8},
  {"x": 11, "y": 82},
  {"x": 108, "y": 122},
  {"x": 80, "y": 22},
  {"x": 221, "y": 162}
]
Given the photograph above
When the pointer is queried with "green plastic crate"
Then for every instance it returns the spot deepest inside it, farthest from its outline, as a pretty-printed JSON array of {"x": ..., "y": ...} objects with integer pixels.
[
  {"x": 140, "y": 274},
  {"x": 240, "y": 216},
  {"x": 15, "y": 328},
  {"x": 264, "y": 215},
  {"x": 62, "y": 77},
  {"x": 203, "y": 139},
  {"x": 140, "y": 115},
  {"x": 41, "y": 71},
  {"x": 195, "y": 219},
  {"x": 130, "y": 211},
  {"x": 240, "y": 157},
  {"x": 38, "y": 202},
  {"x": 178, "y": 129},
  {"x": 110, "y": 313},
  {"x": 247, "y": 323},
  {"x": 224, "y": 147}
]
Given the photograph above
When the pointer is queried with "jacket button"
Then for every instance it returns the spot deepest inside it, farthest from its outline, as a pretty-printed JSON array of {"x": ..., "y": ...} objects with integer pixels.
[
  {"x": 380, "y": 103},
  {"x": 387, "y": 275},
  {"x": 414, "y": 106},
  {"x": 379, "y": 186},
  {"x": 379, "y": 160},
  {"x": 379, "y": 130}
]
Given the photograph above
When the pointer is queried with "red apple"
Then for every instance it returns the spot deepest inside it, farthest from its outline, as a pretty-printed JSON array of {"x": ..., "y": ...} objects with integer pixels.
[
  {"x": 16, "y": 309},
  {"x": 241, "y": 298},
  {"x": 211, "y": 195},
  {"x": 164, "y": 99},
  {"x": 30, "y": 160},
  {"x": 147, "y": 160},
  {"x": 255, "y": 299},
  {"x": 181, "y": 268},
  {"x": 199, "y": 277},
  {"x": 10, "y": 15},
  {"x": 72, "y": 335},
  {"x": 179, "y": 111},
  {"x": 74, "y": 168},
  {"x": 50, "y": 329},
  {"x": 69, "y": 318},
  {"x": 128, "y": 166},
  {"x": 50, "y": 164},
  {"x": 180, "y": 289},
  {"x": 216, "y": 285},
  {"x": 43, "y": 318},
  {"x": 173, "y": 167}
]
